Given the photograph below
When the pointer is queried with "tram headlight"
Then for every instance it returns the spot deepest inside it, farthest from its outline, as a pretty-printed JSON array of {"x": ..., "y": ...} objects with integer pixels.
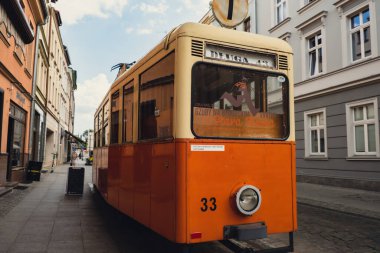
[{"x": 248, "y": 199}]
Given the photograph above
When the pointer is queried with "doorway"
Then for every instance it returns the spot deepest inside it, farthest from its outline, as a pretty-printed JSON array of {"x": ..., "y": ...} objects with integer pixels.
[{"x": 10, "y": 147}]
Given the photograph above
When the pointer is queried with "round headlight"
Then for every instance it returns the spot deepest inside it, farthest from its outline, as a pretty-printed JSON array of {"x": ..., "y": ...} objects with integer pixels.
[{"x": 248, "y": 199}]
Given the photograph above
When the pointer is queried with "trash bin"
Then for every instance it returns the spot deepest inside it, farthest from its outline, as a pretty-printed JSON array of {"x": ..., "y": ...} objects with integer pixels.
[
  {"x": 75, "y": 181},
  {"x": 34, "y": 171}
]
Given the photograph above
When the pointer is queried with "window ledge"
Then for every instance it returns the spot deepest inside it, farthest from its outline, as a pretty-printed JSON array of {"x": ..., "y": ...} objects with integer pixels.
[
  {"x": 28, "y": 73},
  {"x": 316, "y": 158},
  {"x": 347, "y": 68},
  {"x": 360, "y": 60},
  {"x": 274, "y": 28},
  {"x": 321, "y": 16},
  {"x": 18, "y": 168},
  {"x": 363, "y": 158},
  {"x": 3, "y": 34},
  {"x": 18, "y": 55},
  {"x": 308, "y": 6},
  {"x": 340, "y": 3},
  {"x": 315, "y": 75}
]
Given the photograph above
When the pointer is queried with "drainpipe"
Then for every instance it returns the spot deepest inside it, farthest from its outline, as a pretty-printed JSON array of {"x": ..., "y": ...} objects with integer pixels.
[{"x": 256, "y": 17}]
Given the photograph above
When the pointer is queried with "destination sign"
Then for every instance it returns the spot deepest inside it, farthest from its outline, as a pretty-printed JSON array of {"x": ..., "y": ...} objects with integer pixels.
[{"x": 240, "y": 56}]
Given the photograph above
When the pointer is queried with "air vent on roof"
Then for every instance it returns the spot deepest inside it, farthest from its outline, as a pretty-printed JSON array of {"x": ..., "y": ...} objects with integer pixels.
[
  {"x": 283, "y": 62},
  {"x": 197, "y": 48}
]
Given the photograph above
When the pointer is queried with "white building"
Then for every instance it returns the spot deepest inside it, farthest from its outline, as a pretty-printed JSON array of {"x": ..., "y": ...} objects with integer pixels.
[{"x": 337, "y": 84}]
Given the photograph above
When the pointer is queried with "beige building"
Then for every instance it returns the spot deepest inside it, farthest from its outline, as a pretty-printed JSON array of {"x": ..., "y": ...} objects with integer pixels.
[
  {"x": 54, "y": 95},
  {"x": 38, "y": 130}
]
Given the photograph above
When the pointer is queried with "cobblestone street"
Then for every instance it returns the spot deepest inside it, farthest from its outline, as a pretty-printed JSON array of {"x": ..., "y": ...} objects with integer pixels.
[
  {"x": 322, "y": 230},
  {"x": 10, "y": 200}
]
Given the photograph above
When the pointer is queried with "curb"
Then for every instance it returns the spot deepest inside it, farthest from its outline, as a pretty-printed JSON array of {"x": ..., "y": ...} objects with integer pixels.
[
  {"x": 5, "y": 190},
  {"x": 339, "y": 208}
]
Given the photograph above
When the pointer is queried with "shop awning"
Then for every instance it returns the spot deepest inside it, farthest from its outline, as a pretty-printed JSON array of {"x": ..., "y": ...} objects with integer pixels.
[{"x": 75, "y": 139}]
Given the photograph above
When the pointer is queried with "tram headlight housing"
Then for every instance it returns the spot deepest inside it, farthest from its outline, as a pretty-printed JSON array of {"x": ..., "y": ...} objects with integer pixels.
[{"x": 248, "y": 199}]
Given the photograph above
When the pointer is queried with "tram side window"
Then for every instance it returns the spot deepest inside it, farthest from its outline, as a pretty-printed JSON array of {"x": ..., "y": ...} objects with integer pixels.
[
  {"x": 105, "y": 135},
  {"x": 96, "y": 131},
  {"x": 100, "y": 127},
  {"x": 99, "y": 138},
  {"x": 105, "y": 130},
  {"x": 115, "y": 118},
  {"x": 128, "y": 112},
  {"x": 156, "y": 100}
]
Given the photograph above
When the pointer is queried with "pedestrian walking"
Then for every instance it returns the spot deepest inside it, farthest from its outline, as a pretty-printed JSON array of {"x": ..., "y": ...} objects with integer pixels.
[{"x": 74, "y": 156}]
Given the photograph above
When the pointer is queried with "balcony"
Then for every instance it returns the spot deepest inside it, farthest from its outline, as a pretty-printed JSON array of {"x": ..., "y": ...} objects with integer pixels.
[{"x": 19, "y": 20}]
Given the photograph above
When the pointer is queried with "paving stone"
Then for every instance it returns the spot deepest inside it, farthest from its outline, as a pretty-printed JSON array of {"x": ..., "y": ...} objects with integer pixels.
[
  {"x": 26, "y": 247},
  {"x": 65, "y": 246},
  {"x": 38, "y": 237},
  {"x": 65, "y": 233}
]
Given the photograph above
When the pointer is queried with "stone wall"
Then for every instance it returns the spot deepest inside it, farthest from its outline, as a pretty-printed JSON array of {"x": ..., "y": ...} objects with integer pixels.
[{"x": 3, "y": 168}]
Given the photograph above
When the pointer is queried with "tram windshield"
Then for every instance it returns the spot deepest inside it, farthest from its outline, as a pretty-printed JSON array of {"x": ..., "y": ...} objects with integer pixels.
[{"x": 239, "y": 103}]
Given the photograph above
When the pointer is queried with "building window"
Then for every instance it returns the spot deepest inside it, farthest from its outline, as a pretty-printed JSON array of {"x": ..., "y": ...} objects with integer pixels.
[
  {"x": 16, "y": 135},
  {"x": 315, "y": 133},
  {"x": 360, "y": 34},
  {"x": 247, "y": 25},
  {"x": 306, "y": 2},
  {"x": 281, "y": 10},
  {"x": 363, "y": 128},
  {"x": 315, "y": 54}
]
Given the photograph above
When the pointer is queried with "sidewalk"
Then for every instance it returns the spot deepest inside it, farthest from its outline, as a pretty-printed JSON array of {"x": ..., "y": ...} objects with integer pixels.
[
  {"x": 47, "y": 220},
  {"x": 359, "y": 202}
]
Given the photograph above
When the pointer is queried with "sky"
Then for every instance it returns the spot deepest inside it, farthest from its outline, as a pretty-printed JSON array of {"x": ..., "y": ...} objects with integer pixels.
[{"x": 102, "y": 33}]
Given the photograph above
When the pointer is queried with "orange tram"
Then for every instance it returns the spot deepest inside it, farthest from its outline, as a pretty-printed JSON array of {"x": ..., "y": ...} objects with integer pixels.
[{"x": 196, "y": 140}]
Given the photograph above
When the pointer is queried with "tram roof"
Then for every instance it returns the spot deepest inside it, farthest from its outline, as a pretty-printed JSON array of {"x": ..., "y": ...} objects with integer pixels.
[
  {"x": 235, "y": 37},
  {"x": 209, "y": 32}
]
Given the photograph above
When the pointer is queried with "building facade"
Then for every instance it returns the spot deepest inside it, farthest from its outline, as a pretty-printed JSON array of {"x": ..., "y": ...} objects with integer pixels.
[
  {"x": 55, "y": 94},
  {"x": 337, "y": 84},
  {"x": 36, "y": 88},
  {"x": 18, "y": 26},
  {"x": 38, "y": 131}
]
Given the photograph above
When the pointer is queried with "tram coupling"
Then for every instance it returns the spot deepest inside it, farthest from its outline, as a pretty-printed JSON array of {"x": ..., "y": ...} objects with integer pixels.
[{"x": 248, "y": 247}]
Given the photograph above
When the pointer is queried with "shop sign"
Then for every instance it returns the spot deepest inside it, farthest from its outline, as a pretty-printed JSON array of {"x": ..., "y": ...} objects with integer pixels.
[{"x": 20, "y": 97}]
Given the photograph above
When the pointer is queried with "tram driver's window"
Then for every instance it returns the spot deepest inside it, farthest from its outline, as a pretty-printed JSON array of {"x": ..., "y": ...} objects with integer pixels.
[
  {"x": 239, "y": 103},
  {"x": 156, "y": 100}
]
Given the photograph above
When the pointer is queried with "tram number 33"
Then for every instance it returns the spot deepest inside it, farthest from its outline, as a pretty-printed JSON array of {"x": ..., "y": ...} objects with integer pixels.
[{"x": 208, "y": 204}]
